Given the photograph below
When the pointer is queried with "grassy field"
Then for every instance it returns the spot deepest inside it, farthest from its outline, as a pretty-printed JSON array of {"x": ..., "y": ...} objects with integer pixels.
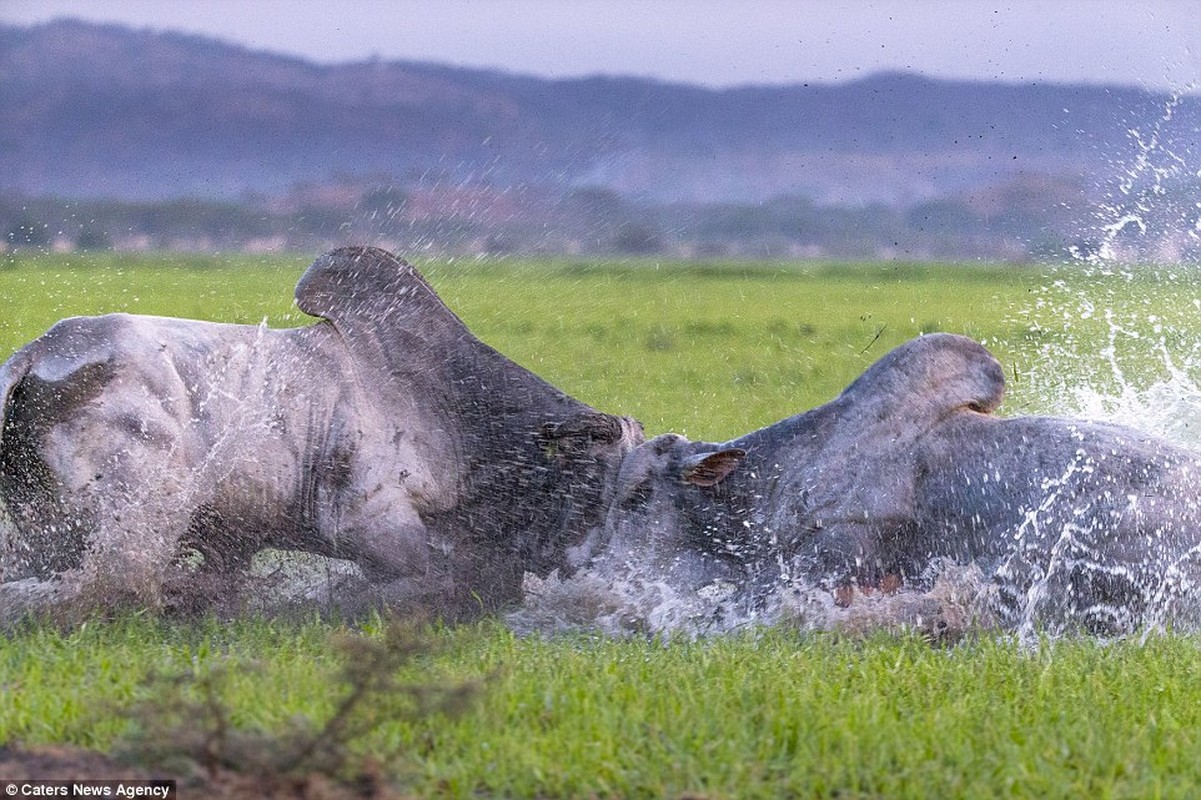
[
  {"x": 763, "y": 714},
  {"x": 713, "y": 351}
]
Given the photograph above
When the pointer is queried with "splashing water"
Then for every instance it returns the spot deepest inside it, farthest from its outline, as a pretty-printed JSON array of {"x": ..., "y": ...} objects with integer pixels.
[
  {"x": 1110, "y": 339},
  {"x": 640, "y": 604},
  {"x": 1151, "y": 214},
  {"x": 1116, "y": 342}
]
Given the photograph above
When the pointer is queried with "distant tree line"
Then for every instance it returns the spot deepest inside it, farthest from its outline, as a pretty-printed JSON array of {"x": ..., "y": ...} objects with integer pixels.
[{"x": 1019, "y": 223}]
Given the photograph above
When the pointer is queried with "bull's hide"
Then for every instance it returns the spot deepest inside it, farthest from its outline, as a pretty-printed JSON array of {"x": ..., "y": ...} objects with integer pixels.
[
  {"x": 136, "y": 448},
  {"x": 1078, "y": 524}
]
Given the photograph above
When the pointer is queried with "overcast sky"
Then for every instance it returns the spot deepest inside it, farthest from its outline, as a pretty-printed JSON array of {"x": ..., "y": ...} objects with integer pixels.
[{"x": 1156, "y": 43}]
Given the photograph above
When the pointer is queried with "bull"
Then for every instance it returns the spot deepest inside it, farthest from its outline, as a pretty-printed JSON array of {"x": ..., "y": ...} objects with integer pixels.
[
  {"x": 1078, "y": 524},
  {"x": 385, "y": 434}
]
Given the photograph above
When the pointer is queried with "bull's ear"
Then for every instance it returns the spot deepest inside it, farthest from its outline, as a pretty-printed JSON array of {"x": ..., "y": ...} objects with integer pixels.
[{"x": 710, "y": 469}]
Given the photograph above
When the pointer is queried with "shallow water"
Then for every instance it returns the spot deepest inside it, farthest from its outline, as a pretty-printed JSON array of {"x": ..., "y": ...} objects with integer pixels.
[{"x": 632, "y": 605}]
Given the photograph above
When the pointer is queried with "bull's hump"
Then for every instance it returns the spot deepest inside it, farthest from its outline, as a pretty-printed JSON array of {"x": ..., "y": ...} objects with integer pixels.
[
  {"x": 367, "y": 283},
  {"x": 934, "y": 374}
]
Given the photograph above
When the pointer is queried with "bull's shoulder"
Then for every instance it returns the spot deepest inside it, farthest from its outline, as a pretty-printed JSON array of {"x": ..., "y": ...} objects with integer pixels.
[{"x": 1097, "y": 441}]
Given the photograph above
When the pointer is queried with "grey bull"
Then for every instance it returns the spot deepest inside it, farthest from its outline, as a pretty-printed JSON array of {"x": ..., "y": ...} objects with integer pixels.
[
  {"x": 1078, "y": 524},
  {"x": 386, "y": 434}
]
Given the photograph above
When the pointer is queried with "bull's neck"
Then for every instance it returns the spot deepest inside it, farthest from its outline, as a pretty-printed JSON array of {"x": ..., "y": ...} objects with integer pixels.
[
  {"x": 493, "y": 390},
  {"x": 445, "y": 365}
]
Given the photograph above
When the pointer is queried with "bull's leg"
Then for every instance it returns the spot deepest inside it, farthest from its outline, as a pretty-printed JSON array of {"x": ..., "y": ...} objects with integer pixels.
[
  {"x": 128, "y": 550},
  {"x": 95, "y": 547},
  {"x": 408, "y": 566},
  {"x": 93, "y": 473}
]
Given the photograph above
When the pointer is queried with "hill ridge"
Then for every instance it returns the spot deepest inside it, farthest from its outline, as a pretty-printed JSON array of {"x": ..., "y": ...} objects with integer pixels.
[{"x": 92, "y": 110}]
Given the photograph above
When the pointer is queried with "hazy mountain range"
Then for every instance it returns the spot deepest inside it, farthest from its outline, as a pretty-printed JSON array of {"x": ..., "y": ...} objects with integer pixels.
[{"x": 90, "y": 111}]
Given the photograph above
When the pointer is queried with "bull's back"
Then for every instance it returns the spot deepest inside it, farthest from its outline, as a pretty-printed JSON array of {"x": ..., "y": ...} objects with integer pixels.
[{"x": 999, "y": 476}]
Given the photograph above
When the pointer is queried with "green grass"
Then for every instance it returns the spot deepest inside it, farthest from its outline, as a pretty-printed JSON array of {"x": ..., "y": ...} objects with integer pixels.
[
  {"x": 712, "y": 351},
  {"x": 760, "y": 714}
]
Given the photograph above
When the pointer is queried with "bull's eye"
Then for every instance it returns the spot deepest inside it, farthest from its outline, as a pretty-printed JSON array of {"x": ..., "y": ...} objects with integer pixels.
[{"x": 637, "y": 497}]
